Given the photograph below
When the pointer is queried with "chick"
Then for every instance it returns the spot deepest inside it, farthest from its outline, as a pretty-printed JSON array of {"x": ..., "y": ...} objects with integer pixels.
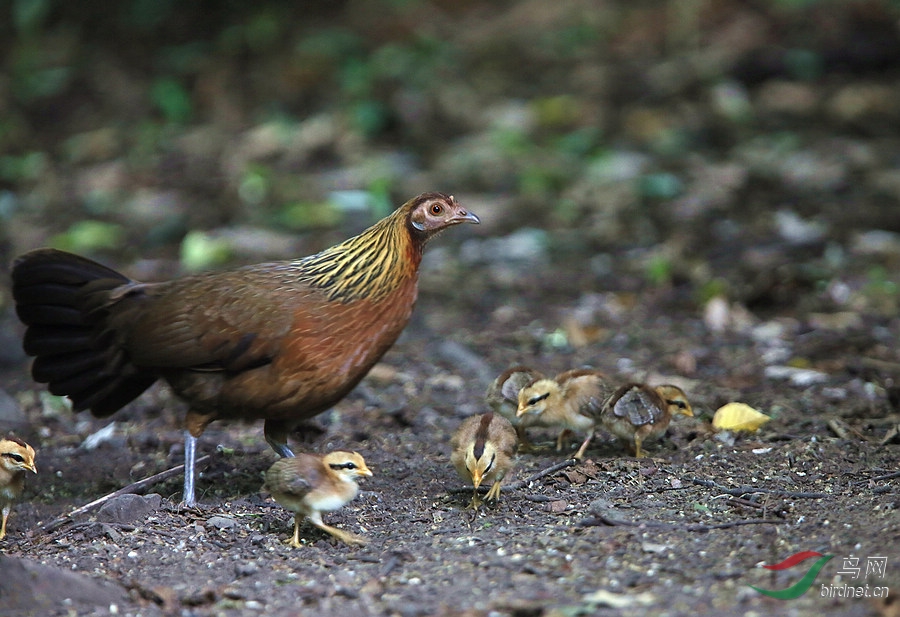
[
  {"x": 484, "y": 450},
  {"x": 308, "y": 485},
  {"x": 570, "y": 401},
  {"x": 16, "y": 457},
  {"x": 503, "y": 398},
  {"x": 638, "y": 412}
]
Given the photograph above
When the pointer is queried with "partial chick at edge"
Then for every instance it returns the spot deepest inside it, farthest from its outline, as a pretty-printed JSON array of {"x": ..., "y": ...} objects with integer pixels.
[
  {"x": 484, "y": 450},
  {"x": 308, "y": 485},
  {"x": 16, "y": 457},
  {"x": 502, "y": 397},
  {"x": 637, "y": 413}
]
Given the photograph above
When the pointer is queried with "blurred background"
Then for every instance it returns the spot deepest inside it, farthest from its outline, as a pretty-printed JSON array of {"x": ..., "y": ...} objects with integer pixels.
[{"x": 736, "y": 149}]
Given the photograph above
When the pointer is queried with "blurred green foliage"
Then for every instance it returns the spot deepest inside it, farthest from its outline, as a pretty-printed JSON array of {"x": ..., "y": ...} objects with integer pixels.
[{"x": 89, "y": 236}]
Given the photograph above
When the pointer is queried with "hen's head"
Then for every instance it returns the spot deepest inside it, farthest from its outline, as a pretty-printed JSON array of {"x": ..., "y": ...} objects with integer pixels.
[{"x": 430, "y": 213}]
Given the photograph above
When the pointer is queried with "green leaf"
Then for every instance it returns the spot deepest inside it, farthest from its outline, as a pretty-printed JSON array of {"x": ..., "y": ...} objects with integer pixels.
[
  {"x": 88, "y": 236},
  {"x": 172, "y": 99}
]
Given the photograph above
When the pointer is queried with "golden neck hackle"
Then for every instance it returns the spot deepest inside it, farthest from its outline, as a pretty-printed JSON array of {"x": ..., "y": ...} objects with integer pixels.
[{"x": 370, "y": 265}]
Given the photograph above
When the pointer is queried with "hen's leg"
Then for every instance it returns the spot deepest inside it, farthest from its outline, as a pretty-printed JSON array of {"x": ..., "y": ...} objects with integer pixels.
[
  {"x": 190, "y": 456},
  {"x": 276, "y": 435}
]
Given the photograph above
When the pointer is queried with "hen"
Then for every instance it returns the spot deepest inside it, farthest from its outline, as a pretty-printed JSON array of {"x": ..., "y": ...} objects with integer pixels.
[
  {"x": 307, "y": 485},
  {"x": 279, "y": 341},
  {"x": 484, "y": 450},
  {"x": 16, "y": 457}
]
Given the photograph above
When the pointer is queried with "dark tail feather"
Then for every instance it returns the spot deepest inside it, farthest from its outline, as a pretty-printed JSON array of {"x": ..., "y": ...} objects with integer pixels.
[{"x": 57, "y": 296}]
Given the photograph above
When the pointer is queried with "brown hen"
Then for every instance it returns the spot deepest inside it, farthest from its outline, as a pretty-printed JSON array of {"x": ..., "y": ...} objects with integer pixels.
[{"x": 279, "y": 341}]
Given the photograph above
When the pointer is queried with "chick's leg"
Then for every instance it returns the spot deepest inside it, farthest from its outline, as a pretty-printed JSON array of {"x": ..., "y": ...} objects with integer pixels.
[
  {"x": 562, "y": 441},
  {"x": 639, "y": 436},
  {"x": 295, "y": 540},
  {"x": 525, "y": 444},
  {"x": 584, "y": 444},
  {"x": 276, "y": 435},
  {"x": 494, "y": 493},
  {"x": 346, "y": 537},
  {"x": 6, "y": 510}
]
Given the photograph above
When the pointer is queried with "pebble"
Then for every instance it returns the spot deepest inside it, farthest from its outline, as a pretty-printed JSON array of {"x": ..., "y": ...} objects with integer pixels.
[
  {"x": 221, "y": 522},
  {"x": 129, "y": 508},
  {"x": 796, "y": 376}
]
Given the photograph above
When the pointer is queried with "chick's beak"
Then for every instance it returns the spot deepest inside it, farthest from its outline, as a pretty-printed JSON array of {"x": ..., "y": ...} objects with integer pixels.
[
  {"x": 32, "y": 468},
  {"x": 520, "y": 412},
  {"x": 364, "y": 471},
  {"x": 476, "y": 478}
]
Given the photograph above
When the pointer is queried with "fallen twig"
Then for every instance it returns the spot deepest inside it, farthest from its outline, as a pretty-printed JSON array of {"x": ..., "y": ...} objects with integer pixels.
[
  {"x": 601, "y": 520},
  {"x": 134, "y": 487},
  {"x": 569, "y": 462},
  {"x": 887, "y": 476},
  {"x": 743, "y": 490}
]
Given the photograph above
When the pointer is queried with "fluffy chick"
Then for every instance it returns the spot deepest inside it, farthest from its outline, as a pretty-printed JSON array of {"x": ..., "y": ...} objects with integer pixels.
[
  {"x": 502, "y": 398},
  {"x": 571, "y": 401},
  {"x": 484, "y": 450},
  {"x": 637, "y": 412},
  {"x": 16, "y": 457},
  {"x": 308, "y": 485}
]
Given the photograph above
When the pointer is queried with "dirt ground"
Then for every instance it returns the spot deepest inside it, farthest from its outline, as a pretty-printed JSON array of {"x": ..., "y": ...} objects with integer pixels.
[{"x": 683, "y": 531}]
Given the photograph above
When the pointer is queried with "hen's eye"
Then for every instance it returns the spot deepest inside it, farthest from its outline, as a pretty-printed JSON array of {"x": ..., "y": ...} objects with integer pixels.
[{"x": 436, "y": 208}]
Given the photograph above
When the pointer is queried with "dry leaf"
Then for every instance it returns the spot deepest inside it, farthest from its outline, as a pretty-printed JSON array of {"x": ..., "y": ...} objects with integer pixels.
[{"x": 738, "y": 417}]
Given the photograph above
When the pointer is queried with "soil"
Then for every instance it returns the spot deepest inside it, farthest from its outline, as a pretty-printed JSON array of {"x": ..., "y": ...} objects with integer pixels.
[
  {"x": 683, "y": 531},
  {"x": 707, "y": 218}
]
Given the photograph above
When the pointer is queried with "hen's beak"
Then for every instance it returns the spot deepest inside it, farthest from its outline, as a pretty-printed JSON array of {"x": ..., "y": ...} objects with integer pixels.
[{"x": 464, "y": 216}]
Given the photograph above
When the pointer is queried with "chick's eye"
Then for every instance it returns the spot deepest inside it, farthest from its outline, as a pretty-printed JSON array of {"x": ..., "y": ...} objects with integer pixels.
[
  {"x": 436, "y": 209},
  {"x": 491, "y": 464}
]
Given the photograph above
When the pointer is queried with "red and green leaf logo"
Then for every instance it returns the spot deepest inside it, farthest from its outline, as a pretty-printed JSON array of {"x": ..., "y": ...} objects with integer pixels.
[{"x": 802, "y": 586}]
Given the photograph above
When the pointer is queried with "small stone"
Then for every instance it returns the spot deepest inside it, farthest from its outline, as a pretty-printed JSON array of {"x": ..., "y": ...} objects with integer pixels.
[
  {"x": 246, "y": 568},
  {"x": 128, "y": 508},
  {"x": 221, "y": 522}
]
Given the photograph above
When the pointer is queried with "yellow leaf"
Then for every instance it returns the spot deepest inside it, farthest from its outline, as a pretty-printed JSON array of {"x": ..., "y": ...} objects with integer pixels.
[{"x": 738, "y": 417}]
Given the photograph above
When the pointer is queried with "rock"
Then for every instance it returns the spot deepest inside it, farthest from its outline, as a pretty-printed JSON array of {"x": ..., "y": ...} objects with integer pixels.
[
  {"x": 221, "y": 522},
  {"x": 128, "y": 508},
  {"x": 29, "y": 588}
]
